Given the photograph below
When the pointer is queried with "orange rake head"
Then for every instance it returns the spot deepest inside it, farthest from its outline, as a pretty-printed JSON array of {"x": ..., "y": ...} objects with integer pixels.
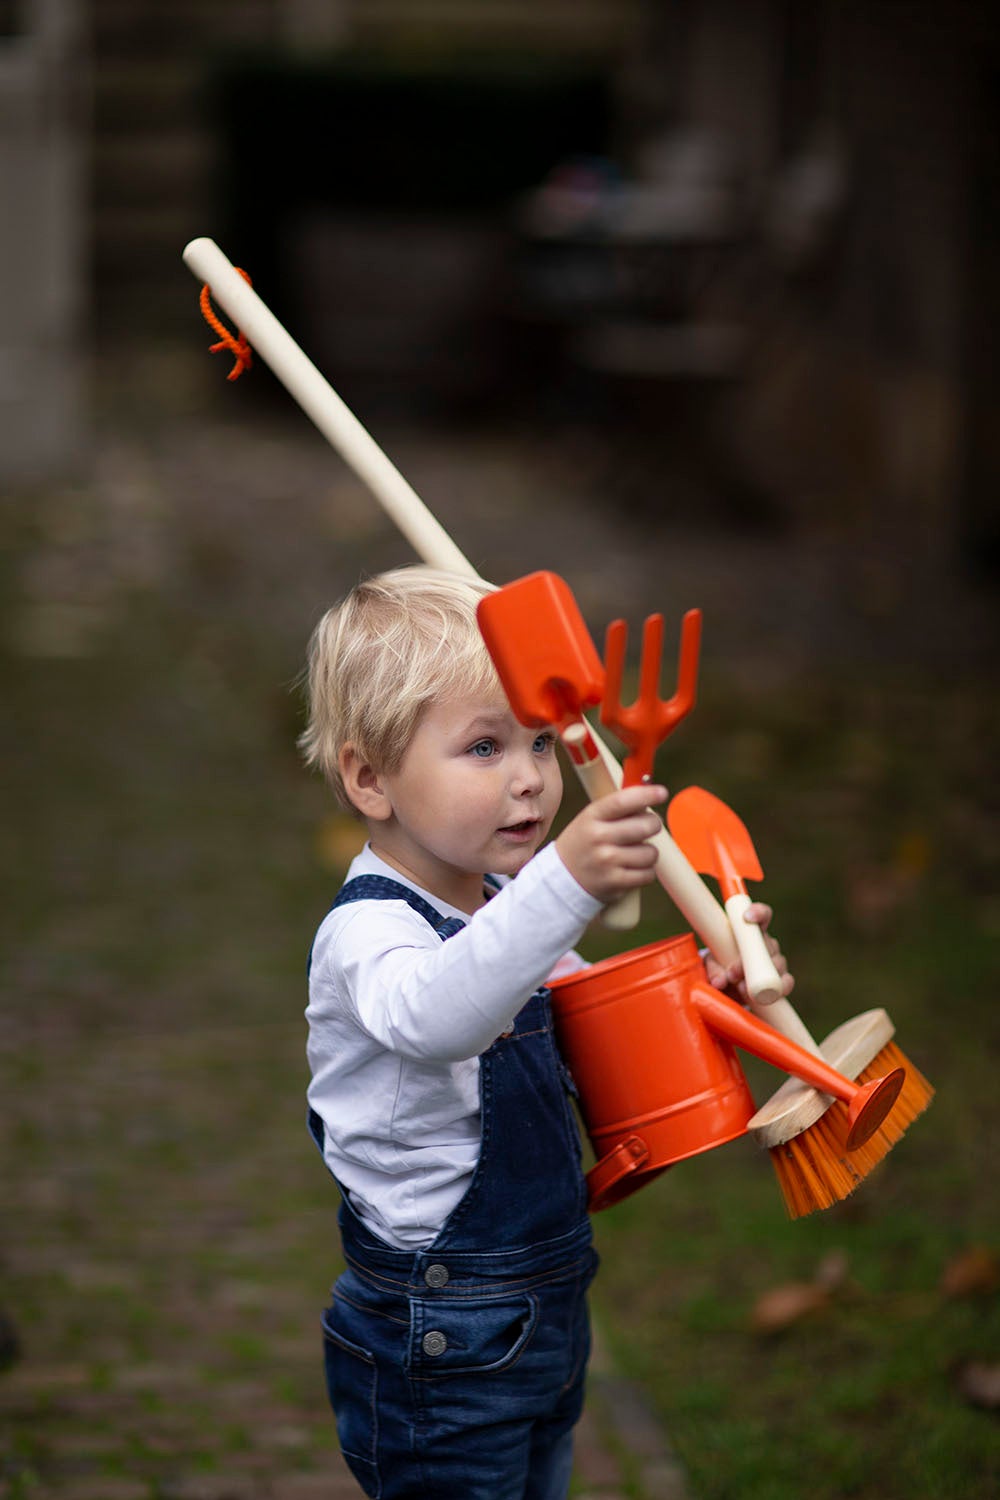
[
  {"x": 649, "y": 720},
  {"x": 542, "y": 650}
]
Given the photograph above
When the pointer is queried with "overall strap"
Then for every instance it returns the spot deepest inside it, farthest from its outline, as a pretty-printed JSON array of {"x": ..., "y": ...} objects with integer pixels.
[{"x": 381, "y": 888}]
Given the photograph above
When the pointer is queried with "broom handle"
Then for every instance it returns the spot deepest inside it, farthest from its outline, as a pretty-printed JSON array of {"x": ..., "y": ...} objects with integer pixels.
[
  {"x": 320, "y": 401},
  {"x": 430, "y": 541},
  {"x": 358, "y": 449}
]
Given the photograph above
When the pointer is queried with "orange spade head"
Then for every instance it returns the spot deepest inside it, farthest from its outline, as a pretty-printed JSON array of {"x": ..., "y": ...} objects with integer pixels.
[
  {"x": 542, "y": 650},
  {"x": 713, "y": 838}
]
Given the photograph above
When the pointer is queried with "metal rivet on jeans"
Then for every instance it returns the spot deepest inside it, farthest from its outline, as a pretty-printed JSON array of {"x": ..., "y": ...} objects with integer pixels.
[
  {"x": 435, "y": 1342},
  {"x": 436, "y": 1275}
]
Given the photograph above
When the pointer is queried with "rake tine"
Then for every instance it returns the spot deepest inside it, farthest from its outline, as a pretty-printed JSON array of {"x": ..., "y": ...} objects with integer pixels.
[
  {"x": 649, "y": 720},
  {"x": 649, "y": 664},
  {"x": 687, "y": 668}
]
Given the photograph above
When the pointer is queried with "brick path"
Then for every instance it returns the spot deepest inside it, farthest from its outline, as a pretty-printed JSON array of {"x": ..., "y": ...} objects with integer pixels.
[
  {"x": 622, "y": 1450},
  {"x": 620, "y": 1438}
]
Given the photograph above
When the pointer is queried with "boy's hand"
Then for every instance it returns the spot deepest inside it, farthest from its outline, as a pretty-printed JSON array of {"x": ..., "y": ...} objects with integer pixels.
[
  {"x": 731, "y": 979},
  {"x": 604, "y": 848}
]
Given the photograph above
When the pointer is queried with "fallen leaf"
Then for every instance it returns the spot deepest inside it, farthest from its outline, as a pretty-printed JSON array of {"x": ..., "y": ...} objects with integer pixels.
[
  {"x": 832, "y": 1270},
  {"x": 979, "y": 1383},
  {"x": 784, "y": 1305},
  {"x": 973, "y": 1272}
]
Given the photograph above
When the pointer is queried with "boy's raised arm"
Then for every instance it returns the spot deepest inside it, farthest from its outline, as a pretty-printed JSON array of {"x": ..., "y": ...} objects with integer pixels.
[{"x": 445, "y": 1002}]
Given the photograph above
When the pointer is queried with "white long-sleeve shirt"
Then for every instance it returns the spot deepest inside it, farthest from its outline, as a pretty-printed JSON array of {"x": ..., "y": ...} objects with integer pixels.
[{"x": 397, "y": 1019}]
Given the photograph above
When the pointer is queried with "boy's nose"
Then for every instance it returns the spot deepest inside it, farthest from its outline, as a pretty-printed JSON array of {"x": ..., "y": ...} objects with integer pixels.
[{"x": 526, "y": 777}]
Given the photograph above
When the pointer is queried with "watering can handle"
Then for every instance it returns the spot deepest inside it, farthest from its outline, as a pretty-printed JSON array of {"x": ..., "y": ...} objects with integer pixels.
[{"x": 628, "y": 1156}]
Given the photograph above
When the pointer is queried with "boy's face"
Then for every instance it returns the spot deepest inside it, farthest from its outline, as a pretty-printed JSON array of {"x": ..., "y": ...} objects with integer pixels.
[{"x": 476, "y": 792}]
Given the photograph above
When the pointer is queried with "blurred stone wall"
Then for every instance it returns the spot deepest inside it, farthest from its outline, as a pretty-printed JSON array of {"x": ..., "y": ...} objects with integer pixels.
[
  {"x": 860, "y": 138},
  {"x": 43, "y": 127}
]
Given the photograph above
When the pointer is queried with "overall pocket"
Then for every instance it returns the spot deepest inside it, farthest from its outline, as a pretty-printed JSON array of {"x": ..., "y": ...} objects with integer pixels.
[
  {"x": 352, "y": 1385},
  {"x": 472, "y": 1337}
]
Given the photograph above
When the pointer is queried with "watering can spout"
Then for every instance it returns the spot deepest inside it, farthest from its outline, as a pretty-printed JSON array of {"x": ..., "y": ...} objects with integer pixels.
[{"x": 870, "y": 1106}]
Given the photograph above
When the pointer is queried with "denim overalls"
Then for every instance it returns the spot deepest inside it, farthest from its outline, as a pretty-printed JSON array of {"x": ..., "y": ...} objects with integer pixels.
[{"x": 456, "y": 1371}]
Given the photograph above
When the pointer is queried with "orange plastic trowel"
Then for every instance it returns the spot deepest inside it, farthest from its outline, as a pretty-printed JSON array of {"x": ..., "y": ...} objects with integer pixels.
[
  {"x": 550, "y": 670},
  {"x": 717, "y": 843}
]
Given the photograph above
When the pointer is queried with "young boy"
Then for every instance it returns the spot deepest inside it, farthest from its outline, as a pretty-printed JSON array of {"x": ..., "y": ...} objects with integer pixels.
[{"x": 458, "y": 1337}]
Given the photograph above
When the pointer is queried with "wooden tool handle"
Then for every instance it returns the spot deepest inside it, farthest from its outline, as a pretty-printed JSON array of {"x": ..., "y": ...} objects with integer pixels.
[
  {"x": 783, "y": 1016},
  {"x": 693, "y": 899},
  {"x": 598, "y": 781},
  {"x": 696, "y": 903},
  {"x": 761, "y": 977},
  {"x": 339, "y": 426},
  {"x": 319, "y": 401}
]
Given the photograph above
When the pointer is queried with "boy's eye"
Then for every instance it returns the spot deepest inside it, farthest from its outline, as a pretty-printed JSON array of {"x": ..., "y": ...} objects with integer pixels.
[
  {"x": 544, "y": 742},
  {"x": 483, "y": 749}
]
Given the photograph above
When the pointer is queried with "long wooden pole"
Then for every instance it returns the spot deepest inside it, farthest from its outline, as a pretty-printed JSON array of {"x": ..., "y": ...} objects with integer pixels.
[{"x": 431, "y": 542}]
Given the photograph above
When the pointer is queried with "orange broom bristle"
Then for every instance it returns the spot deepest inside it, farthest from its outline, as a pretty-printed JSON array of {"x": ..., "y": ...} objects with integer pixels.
[{"x": 815, "y": 1170}]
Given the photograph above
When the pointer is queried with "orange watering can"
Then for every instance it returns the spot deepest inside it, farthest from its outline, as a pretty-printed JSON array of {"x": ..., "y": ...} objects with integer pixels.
[{"x": 651, "y": 1047}]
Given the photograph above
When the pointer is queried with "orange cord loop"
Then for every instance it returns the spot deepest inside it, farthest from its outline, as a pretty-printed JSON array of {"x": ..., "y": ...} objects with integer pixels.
[{"x": 237, "y": 345}]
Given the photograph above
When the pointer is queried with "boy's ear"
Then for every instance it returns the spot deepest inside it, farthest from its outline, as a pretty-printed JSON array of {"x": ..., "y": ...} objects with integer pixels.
[{"x": 362, "y": 784}]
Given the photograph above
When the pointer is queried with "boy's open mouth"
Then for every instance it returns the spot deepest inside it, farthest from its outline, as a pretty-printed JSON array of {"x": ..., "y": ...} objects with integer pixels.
[{"x": 527, "y": 825}]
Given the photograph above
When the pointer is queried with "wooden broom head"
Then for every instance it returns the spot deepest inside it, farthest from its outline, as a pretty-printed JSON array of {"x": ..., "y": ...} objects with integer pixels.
[{"x": 796, "y": 1106}]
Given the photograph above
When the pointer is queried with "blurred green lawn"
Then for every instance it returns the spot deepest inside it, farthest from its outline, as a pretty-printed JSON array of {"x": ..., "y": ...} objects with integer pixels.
[
  {"x": 870, "y": 812},
  {"x": 168, "y": 1234}
]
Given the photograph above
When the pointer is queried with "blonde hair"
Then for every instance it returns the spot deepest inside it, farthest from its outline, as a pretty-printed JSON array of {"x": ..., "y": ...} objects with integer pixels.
[{"x": 396, "y": 643}]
